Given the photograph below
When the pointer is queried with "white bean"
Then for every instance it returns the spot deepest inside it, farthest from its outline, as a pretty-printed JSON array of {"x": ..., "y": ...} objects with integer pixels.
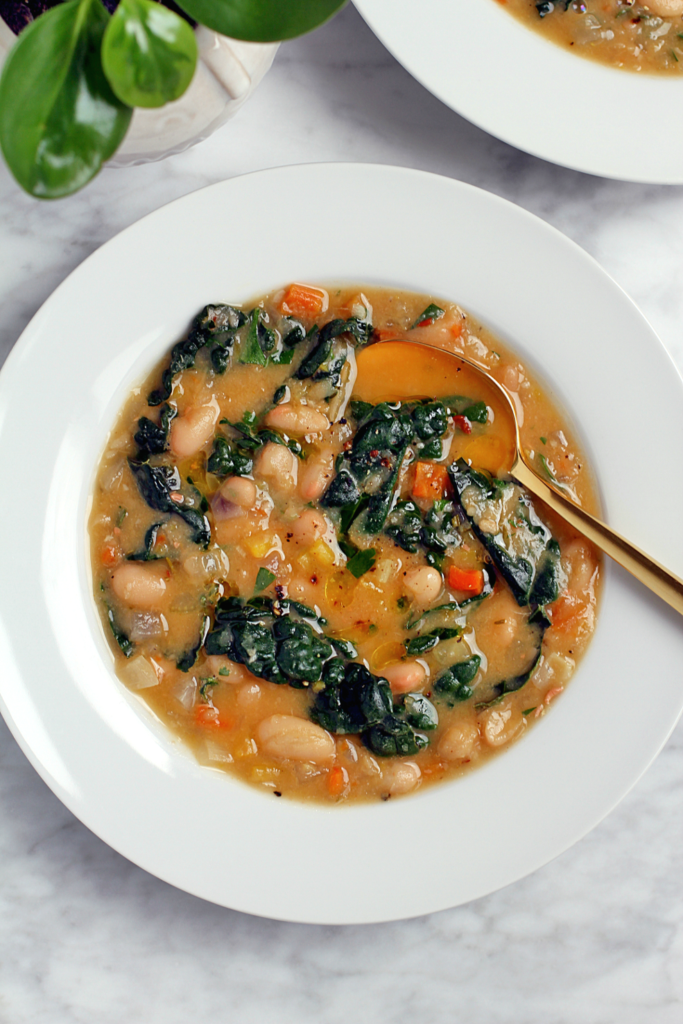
[
  {"x": 405, "y": 676},
  {"x": 459, "y": 741},
  {"x": 225, "y": 670},
  {"x": 297, "y": 419},
  {"x": 401, "y": 777},
  {"x": 317, "y": 474},
  {"x": 139, "y": 586},
  {"x": 295, "y": 739},
  {"x": 279, "y": 465},
  {"x": 510, "y": 376},
  {"x": 310, "y": 525},
  {"x": 501, "y": 723},
  {"x": 555, "y": 670},
  {"x": 580, "y": 565},
  {"x": 424, "y": 584},
  {"x": 665, "y": 8},
  {"x": 249, "y": 695},
  {"x": 239, "y": 490},
  {"x": 193, "y": 429}
]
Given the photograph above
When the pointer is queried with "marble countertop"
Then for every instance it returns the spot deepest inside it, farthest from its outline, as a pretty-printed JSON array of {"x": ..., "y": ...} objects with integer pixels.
[{"x": 594, "y": 937}]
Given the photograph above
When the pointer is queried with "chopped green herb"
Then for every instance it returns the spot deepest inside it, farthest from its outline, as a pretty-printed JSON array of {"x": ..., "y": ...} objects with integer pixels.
[
  {"x": 264, "y": 578},
  {"x": 252, "y": 349},
  {"x": 528, "y": 711},
  {"x": 126, "y": 645},
  {"x": 428, "y": 316},
  {"x": 223, "y": 671},
  {"x": 361, "y": 561},
  {"x": 207, "y": 684},
  {"x": 426, "y": 641},
  {"x": 122, "y": 513},
  {"x": 544, "y": 440}
]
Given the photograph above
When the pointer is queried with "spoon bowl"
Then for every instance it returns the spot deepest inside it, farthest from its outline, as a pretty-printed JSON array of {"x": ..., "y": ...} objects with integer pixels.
[{"x": 402, "y": 378}]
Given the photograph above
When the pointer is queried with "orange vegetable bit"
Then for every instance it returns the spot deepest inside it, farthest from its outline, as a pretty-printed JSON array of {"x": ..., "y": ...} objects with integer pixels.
[
  {"x": 432, "y": 481},
  {"x": 208, "y": 715},
  {"x": 470, "y": 581},
  {"x": 109, "y": 555},
  {"x": 386, "y": 333},
  {"x": 337, "y": 780},
  {"x": 304, "y": 300}
]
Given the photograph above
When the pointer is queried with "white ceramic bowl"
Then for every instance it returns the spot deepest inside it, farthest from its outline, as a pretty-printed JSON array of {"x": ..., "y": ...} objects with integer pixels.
[
  {"x": 102, "y": 751},
  {"x": 228, "y": 71},
  {"x": 528, "y": 91}
]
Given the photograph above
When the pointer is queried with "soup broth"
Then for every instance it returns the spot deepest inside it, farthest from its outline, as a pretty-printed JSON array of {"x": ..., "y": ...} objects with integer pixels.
[
  {"x": 623, "y": 33},
  {"x": 308, "y": 556}
]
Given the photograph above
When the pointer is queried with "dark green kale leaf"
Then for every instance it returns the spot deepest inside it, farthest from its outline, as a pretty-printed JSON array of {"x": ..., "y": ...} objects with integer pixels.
[
  {"x": 216, "y": 325},
  {"x": 342, "y": 491},
  {"x": 126, "y": 645},
  {"x": 360, "y": 701},
  {"x": 300, "y": 653},
  {"x": 156, "y": 484},
  {"x": 146, "y": 554},
  {"x": 323, "y": 344},
  {"x": 523, "y": 549},
  {"x": 152, "y": 438},
  {"x": 404, "y": 525},
  {"x": 430, "y": 420},
  {"x": 453, "y": 684},
  {"x": 426, "y": 641},
  {"x": 394, "y": 737},
  {"x": 225, "y": 460},
  {"x": 187, "y": 660},
  {"x": 295, "y": 335},
  {"x": 536, "y": 626},
  {"x": 545, "y": 7},
  {"x": 420, "y": 712}
]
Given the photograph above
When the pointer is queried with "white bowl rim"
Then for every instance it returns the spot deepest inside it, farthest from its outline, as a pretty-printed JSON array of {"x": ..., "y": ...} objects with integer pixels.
[
  {"x": 105, "y": 756},
  {"x": 528, "y": 91}
]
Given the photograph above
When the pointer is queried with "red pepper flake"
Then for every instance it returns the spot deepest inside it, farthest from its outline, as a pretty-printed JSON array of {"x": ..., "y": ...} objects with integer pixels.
[
  {"x": 463, "y": 423},
  {"x": 374, "y": 453},
  {"x": 177, "y": 497}
]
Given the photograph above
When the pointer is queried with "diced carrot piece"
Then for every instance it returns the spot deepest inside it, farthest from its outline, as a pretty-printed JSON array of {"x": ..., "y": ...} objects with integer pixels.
[
  {"x": 207, "y": 714},
  {"x": 337, "y": 780},
  {"x": 304, "y": 300},
  {"x": 385, "y": 333},
  {"x": 470, "y": 581},
  {"x": 109, "y": 554},
  {"x": 431, "y": 481}
]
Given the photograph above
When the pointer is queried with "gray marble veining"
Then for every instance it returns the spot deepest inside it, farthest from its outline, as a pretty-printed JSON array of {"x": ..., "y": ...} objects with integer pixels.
[{"x": 596, "y": 936}]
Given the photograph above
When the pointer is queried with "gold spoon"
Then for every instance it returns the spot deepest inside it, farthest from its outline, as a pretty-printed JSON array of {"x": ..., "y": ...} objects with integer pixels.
[{"x": 662, "y": 582}]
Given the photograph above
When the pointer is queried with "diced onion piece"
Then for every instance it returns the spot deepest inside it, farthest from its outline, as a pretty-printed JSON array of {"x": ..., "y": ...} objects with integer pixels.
[{"x": 139, "y": 674}]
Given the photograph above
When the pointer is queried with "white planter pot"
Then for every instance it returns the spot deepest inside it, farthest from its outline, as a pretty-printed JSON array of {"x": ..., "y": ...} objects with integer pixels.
[{"x": 228, "y": 71}]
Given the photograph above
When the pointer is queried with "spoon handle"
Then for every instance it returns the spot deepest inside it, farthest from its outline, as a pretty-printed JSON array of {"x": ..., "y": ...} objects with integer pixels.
[{"x": 651, "y": 573}]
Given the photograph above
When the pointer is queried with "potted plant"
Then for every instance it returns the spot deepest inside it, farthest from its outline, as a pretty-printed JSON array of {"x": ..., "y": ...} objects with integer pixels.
[{"x": 77, "y": 72}]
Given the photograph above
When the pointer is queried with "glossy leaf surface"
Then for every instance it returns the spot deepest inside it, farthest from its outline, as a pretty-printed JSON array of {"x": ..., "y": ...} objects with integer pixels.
[
  {"x": 262, "y": 20},
  {"x": 149, "y": 54},
  {"x": 59, "y": 119}
]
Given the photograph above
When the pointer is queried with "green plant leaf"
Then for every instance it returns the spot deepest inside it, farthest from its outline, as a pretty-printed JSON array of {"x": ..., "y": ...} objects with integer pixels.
[
  {"x": 59, "y": 119},
  {"x": 148, "y": 54},
  {"x": 262, "y": 21}
]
